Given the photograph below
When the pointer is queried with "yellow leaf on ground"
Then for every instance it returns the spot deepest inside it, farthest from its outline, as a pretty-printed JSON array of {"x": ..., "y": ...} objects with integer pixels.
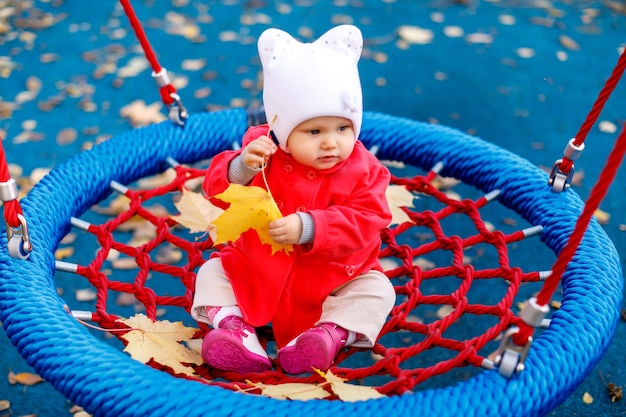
[
  {"x": 250, "y": 208},
  {"x": 587, "y": 398},
  {"x": 293, "y": 391},
  {"x": 444, "y": 183},
  {"x": 24, "y": 378},
  {"x": 602, "y": 216},
  {"x": 4, "y": 405},
  {"x": 196, "y": 212},
  {"x": 349, "y": 392},
  {"x": 159, "y": 341},
  {"x": 302, "y": 391},
  {"x": 397, "y": 197}
]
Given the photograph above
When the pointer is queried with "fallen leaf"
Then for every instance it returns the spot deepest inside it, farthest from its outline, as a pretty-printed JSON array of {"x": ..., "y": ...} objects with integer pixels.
[
  {"x": 193, "y": 64},
  {"x": 124, "y": 263},
  {"x": 445, "y": 183},
  {"x": 196, "y": 212},
  {"x": 423, "y": 263},
  {"x": 4, "y": 405},
  {"x": 292, "y": 391},
  {"x": 415, "y": 34},
  {"x": 250, "y": 208},
  {"x": 63, "y": 253},
  {"x": 134, "y": 66},
  {"x": 86, "y": 294},
  {"x": 140, "y": 114},
  {"x": 159, "y": 341},
  {"x": 444, "y": 311},
  {"x": 479, "y": 38},
  {"x": 158, "y": 180},
  {"x": 569, "y": 43},
  {"x": 397, "y": 197},
  {"x": 118, "y": 205},
  {"x": 66, "y": 136},
  {"x": 607, "y": 127},
  {"x": 349, "y": 392},
  {"x": 587, "y": 398},
  {"x": 602, "y": 216},
  {"x": 303, "y": 391},
  {"x": 24, "y": 378}
]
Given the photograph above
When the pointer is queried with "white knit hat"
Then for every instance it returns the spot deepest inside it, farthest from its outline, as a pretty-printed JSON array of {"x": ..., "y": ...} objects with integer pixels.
[{"x": 307, "y": 80}]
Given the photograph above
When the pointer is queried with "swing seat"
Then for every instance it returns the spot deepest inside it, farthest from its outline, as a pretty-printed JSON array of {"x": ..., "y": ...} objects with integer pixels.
[{"x": 105, "y": 381}]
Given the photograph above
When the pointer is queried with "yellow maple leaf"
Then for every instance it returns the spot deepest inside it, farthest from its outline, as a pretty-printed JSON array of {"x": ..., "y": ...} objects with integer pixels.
[
  {"x": 292, "y": 391},
  {"x": 196, "y": 213},
  {"x": 349, "y": 392},
  {"x": 251, "y": 207},
  {"x": 159, "y": 341},
  {"x": 304, "y": 391},
  {"x": 397, "y": 197}
]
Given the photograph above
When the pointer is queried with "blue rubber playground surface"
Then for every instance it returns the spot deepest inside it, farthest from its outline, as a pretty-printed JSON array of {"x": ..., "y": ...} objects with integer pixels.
[{"x": 520, "y": 74}]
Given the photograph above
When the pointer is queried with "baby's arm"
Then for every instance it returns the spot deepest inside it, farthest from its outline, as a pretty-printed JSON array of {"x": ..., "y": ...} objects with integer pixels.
[
  {"x": 296, "y": 228},
  {"x": 247, "y": 164}
]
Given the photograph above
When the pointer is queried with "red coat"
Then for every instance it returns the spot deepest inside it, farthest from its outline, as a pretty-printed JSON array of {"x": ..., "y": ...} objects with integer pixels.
[{"x": 349, "y": 210}]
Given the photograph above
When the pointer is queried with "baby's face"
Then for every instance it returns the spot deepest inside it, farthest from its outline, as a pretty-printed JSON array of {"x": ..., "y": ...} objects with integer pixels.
[{"x": 322, "y": 142}]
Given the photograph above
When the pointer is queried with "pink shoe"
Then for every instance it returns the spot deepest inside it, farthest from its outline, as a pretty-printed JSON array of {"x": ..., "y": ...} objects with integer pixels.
[
  {"x": 234, "y": 346},
  {"x": 315, "y": 348}
]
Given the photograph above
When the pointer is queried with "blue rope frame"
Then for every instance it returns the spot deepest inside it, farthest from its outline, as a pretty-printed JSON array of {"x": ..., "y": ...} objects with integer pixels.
[{"x": 105, "y": 381}]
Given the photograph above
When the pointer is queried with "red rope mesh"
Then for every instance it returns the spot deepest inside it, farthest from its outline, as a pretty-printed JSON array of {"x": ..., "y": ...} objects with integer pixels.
[{"x": 422, "y": 291}]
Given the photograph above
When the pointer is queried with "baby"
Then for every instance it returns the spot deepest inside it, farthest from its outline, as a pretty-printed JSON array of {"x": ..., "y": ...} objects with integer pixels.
[{"x": 329, "y": 292}]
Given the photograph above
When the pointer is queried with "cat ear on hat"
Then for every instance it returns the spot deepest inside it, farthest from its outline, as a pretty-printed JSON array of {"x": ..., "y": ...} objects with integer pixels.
[
  {"x": 345, "y": 39},
  {"x": 274, "y": 43}
]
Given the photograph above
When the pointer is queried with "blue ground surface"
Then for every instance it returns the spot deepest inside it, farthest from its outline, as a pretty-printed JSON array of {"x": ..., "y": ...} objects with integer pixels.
[{"x": 528, "y": 89}]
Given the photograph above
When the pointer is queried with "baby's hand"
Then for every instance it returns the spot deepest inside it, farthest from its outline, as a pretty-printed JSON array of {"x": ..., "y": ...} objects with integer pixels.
[
  {"x": 286, "y": 230},
  {"x": 258, "y": 151}
]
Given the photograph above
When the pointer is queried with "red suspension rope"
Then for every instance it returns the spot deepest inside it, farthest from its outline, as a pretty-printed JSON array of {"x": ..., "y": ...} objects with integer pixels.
[
  {"x": 565, "y": 165},
  {"x": 18, "y": 240},
  {"x": 11, "y": 207},
  {"x": 598, "y": 192},
  {"x": 169, "y": 95}
]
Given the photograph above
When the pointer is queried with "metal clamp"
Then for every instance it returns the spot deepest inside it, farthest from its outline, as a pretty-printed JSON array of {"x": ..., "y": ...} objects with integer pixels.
[
  {"x": 533, "y": 313},
  {"x": 559, "y": 180},
  {"x": 161, "y": 78},
  {"x": 8, "y": 190},
  {"x": 571, "y": 151},
  {"x": 19, "y": 240},
  {"x": 509, "y": 357},
  {"x": 177, "y": 112}
]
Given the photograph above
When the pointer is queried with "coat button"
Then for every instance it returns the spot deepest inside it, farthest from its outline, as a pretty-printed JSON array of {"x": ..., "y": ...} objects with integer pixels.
[
  {"x": 350, "y": 271},
  {"x": 279, "y": 204},
  {"x": 300, "y": 209},
  {"x": 288, "y": 168},
  {"x": 311, "y": 175}
]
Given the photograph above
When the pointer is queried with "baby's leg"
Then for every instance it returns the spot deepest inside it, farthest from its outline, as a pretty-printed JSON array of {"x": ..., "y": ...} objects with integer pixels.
[
  {"x": 361, "y": 306},
  {"x": 232, "y": 345},
  {"x": 213, "y": 289},
  {"x": 352, "y": 315}
]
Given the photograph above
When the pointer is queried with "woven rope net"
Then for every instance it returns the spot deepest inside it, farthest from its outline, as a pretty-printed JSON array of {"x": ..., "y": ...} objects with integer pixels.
[{"x": 448, "y": 315}]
